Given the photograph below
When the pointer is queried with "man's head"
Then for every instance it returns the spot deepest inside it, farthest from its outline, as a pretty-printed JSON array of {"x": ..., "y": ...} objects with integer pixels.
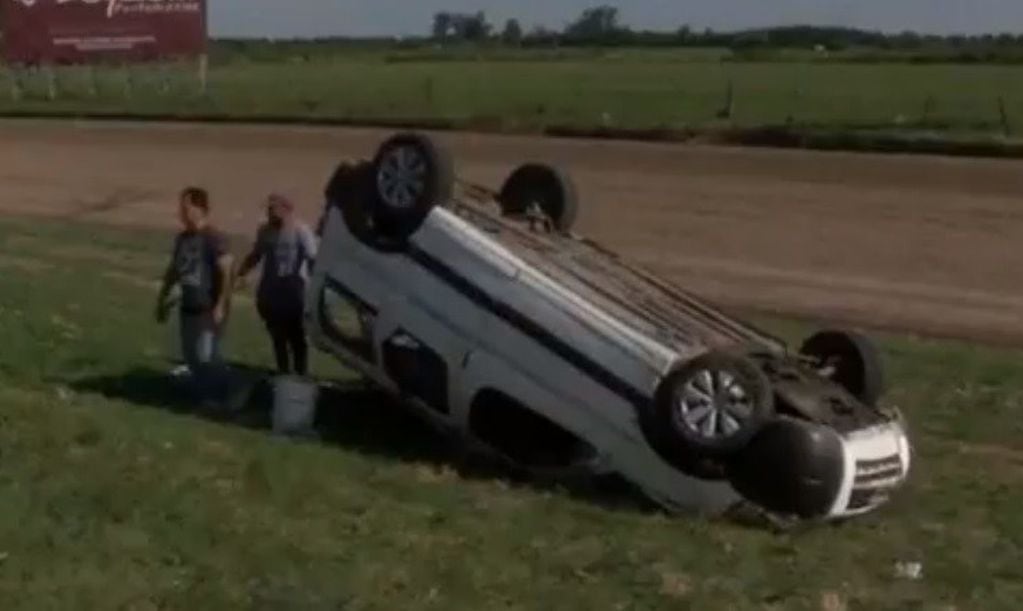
[
  {"x": 194, "y": 208},
  {"x": 279, "y": 209}
]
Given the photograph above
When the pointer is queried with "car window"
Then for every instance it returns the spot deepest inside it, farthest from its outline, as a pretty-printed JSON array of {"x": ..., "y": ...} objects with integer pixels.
[{"x": 347, "y": 320}]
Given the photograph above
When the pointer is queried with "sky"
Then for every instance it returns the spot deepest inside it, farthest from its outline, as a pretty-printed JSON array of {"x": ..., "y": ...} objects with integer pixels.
[{"x": 307, "y": 18}]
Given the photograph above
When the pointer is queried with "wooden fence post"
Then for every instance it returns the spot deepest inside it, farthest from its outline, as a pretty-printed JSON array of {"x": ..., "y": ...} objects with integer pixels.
[
  {"x": 929, "y": 104},
  {"x": 51, "y": 81},
  {"x": 797, "y": 96},
  {"x": 1004, "y": 115},
  {"x": 15, "y": 76},
  {"x": 128, "y": 81},
  {"x": 430, "y": 91},
  {"x": 165, "y": 80},
  {"x": 92, "y": 85},
  {"x": 728, "y": 110},
  {"x": 204, "y": 68}
]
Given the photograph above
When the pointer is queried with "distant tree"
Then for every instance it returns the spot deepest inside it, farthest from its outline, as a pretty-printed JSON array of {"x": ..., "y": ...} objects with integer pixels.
[
  {"x": 1006, "y": 40},
  {"x": 512, "y": 34},
  {"x": 908, "y": 40},
  {"x": 474, "y": 27},
  {"x": 957, "y": 41},
  {"x": 598, "y": 24},
  {"x": 684, "y": 34},
  {"x": 461, "y": 26},
  {"x": 442, "y": 25},
  {"x": 540, "y": 36}
]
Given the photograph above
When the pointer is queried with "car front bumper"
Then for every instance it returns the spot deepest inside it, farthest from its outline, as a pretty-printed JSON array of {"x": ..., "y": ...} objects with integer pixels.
[
  {"x": 809, "y": 471},
  {"x": 876, "y": 462}
]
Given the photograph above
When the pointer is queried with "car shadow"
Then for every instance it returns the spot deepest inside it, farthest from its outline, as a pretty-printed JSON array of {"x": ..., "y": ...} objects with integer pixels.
[{"x": 359, "y": 418}]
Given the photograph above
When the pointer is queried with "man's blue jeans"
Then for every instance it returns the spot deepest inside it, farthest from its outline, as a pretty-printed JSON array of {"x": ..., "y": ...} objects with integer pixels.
[{"x": 200, "y": 348}]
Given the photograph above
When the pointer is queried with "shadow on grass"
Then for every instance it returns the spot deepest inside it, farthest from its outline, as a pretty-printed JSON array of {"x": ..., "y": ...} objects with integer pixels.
[{"x": 358, "y": 418}]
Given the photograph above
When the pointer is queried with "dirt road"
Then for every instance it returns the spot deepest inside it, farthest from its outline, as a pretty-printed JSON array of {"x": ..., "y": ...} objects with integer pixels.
[{"x": 916, "y": 243}]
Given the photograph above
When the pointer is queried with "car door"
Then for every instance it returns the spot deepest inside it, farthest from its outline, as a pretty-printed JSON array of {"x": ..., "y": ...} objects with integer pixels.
[{"x": 429, "y": 322}]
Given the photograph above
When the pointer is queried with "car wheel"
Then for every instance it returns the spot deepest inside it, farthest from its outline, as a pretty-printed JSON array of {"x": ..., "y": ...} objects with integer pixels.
[
  {"x": 791, "y": 467},
  {"x": 548, "y": 189},
  {"x": 713, "y": 405},
  {"x": 850, "y": 360},
  {"x": 351, "y": 191},
  {"x": 411, "y": 174}
]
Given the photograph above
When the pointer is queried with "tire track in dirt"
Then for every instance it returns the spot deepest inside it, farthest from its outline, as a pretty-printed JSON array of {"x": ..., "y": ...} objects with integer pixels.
[{"x": 923, "y": 244}]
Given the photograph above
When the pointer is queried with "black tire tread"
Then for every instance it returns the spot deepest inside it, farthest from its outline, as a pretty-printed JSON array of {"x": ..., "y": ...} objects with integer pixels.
[
  {"x": 866, "y": 380},
  {"x": 562, "y": 206}
]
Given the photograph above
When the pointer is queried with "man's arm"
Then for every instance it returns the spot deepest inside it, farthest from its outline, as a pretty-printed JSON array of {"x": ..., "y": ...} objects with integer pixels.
[
  {"x": 225, "y": 265},
  {"x": 309, "y": 242},
  {"x": 254, "y": 257},
  {"x": 170, "y": 278}
]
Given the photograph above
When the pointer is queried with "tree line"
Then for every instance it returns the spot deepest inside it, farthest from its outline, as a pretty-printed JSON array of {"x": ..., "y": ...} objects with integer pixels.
[{"x": 602, "y": 26}]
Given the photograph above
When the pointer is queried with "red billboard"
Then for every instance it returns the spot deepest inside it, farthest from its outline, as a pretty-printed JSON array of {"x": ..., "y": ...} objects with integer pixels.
[{"x": 86, "y": 31}]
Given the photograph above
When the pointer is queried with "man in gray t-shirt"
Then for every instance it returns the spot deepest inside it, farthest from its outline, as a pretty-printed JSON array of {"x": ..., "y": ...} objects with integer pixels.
[
  {"x": 286, "y": 247},
  {"x": 201, "y": 265}
]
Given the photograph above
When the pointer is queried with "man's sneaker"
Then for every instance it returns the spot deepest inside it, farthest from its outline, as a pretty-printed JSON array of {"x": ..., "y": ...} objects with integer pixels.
[{"x": 180, "y": 371}]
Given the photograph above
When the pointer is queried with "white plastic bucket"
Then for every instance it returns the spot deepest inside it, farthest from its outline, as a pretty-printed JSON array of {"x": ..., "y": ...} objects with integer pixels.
[{"x": 294, "y": 405}]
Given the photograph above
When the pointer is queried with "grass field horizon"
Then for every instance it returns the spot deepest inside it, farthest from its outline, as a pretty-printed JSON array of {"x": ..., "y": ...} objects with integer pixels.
[
  {"x": 113, "y": 495},
  {"x": 629, "y": 92}
]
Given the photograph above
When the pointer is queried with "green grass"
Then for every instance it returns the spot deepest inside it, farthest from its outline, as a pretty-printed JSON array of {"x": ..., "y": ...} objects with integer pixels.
[
  {"x": 109, "y": 500},
  {"x": 627, "y": 89}
]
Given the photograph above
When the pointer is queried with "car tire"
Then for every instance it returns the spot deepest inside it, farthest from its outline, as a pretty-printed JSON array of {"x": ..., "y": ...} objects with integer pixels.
[
  {"x": 551, "y": 189},
  {"x": 850, "y": 360},
  {"x": 345, "y": 183},
  {"x": 710, "y": 408},
  {"x": 791, "y": 467},
  {"x": 411, "y": 174},
  {"x": 350, "y": 191}
]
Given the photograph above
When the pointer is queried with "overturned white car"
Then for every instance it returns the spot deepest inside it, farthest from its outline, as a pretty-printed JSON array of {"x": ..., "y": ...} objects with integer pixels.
[{"x": 487, "y": 316}]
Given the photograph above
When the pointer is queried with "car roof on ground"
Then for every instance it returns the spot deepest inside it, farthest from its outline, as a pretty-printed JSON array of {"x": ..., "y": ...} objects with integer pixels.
[{"x": 650, "y": 305}]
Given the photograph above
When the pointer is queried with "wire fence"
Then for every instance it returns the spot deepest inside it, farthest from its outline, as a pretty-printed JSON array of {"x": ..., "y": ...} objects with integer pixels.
[{"x": 524, "y": 94}]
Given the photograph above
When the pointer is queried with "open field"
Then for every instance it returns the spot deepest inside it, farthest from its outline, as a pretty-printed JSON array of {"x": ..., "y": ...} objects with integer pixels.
[
  {"x": 113, "y": 496},
  {"x": 918, "y": 243},
  {"x": 626, "y": 89}
]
